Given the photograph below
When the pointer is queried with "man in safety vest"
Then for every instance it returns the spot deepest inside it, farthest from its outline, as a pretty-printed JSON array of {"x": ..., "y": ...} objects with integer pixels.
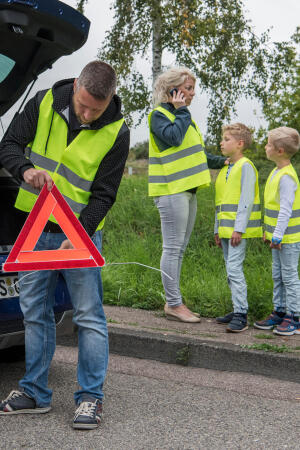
[
  {"x": 74, "y": 135},
  {"x": 238, "y": 217},
  {"x": 282, "y": 230}
]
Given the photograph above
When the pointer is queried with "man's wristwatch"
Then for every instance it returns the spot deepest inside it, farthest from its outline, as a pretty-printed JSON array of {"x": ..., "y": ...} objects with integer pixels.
[{"x": 276, "y": 241}]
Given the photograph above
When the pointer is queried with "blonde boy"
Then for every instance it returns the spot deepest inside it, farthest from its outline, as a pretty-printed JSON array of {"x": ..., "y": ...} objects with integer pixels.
[
  {"x": 238, "y": 217},
  {"x": 282, "y": 228}
]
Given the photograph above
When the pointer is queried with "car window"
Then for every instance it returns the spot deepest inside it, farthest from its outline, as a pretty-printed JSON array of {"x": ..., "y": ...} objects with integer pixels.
[{"x": 6, "y": 66}]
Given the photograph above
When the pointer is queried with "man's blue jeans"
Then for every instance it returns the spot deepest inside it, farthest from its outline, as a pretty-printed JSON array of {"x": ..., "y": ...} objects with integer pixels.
[
  {"x": 286, "y": 284},
  {"x": 37, "y": 299}
]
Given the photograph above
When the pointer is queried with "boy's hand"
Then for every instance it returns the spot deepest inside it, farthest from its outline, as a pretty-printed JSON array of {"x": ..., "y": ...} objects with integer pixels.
[
  {"x": 275, "y": 243},
  {"x": 236, "y": 238},
  {"x": 218, "y": 240},
  {"x": 266, "y": 241},
  {"x": 277, "y": 246}
]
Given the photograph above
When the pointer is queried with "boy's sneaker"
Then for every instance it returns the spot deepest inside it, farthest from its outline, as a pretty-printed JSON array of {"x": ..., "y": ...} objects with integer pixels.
[
  {"x": 225, "y": 319},
  {"x": 288, "y": 327},
  {"x": 20, "y": 403},
  {"x": 270, "y": 322},
  {"x": 88, "y": 415},
  {"x": 238, "y": 323}
]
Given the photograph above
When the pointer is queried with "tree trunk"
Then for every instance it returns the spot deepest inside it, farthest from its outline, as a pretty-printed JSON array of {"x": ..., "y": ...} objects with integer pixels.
[{"x": 156, "y": 41}]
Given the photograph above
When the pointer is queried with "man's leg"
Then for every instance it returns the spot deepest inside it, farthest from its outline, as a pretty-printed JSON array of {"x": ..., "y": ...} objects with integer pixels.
[{"x": 85, "y": 288}]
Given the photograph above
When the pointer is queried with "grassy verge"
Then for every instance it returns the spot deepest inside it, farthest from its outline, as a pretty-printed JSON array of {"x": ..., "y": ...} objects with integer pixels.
[{"x": 132, "y": 234}]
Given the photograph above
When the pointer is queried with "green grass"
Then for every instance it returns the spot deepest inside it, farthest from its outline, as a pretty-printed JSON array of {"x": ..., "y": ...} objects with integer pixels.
[
  {"x": 269, "y": 348},
  {"x": 132, "y": 234}
]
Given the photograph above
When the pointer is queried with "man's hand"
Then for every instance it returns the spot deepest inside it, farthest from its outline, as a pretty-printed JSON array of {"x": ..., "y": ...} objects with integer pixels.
[
  {"x": 218, "y": 240},
  {"x": 37, "y": 178},
  {"x": 236, "y": 238},
  {"x": 66, "y": 245}
]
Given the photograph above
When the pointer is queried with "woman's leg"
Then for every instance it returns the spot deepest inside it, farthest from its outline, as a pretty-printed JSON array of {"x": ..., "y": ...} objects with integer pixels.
[{"x": 175, "y": 218}]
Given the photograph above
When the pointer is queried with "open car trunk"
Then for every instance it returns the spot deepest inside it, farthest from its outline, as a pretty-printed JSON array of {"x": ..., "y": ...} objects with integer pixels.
[{"x": 33, "y": 35}]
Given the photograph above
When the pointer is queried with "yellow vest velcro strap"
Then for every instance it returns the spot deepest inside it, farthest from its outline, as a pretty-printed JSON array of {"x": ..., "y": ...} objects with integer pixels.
[
  {"x": 274, "y": 214},
  {"x": 27, "y": 152},
  {"x": 289, "y": 230},
  {"x": 230, "y": 223},
  {"x": 42, "y": 161},
  {"x": 175, "y": 156},
  {"x": 178, "y": 175},
  {"x": 74, "y": 179},
  {"x": 233, "y": 208}
]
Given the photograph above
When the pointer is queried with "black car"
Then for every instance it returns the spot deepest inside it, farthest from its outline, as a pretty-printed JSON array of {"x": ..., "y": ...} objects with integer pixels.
[{"x": 33, "y": 35}]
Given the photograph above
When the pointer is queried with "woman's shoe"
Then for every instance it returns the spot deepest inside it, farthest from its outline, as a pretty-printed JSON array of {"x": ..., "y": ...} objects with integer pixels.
[{"x": 180, "y": 314}]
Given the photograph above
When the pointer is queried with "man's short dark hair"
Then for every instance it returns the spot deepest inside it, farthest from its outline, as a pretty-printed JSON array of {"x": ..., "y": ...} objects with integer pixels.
[{"x": 99, "y": 79}]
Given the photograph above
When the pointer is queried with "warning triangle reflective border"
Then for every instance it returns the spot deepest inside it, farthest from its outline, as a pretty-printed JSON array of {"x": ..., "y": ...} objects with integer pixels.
[{"x": 23, "y": 257}]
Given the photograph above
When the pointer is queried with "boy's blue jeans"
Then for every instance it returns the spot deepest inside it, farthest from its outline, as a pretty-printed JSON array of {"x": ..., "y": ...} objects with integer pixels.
[
  {"x": 37, "y": 298},
  {"x": 286, "y": 284},
  {"x": 234, "y": 258}
]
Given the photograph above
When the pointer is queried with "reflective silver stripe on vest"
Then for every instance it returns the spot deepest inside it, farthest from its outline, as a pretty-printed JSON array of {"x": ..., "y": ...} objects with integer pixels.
[
  {"x": 178, "y": 175},
  {"x": 42, "y": 161},
  {"x": 230, "y": 223},
  {"x": 233, "y": 208},
  {"x": 74, "y": 179},
  {"x": 289, "y": 230},
  {"x": 29, "y": 188},
  {"x": 175, "y": 156},
  {"x": 274, "y": 214},
  {"x": 75, "y": 206}
]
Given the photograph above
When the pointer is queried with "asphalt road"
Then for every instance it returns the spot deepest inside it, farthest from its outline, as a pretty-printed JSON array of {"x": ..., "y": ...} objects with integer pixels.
[{"x": 151, "y": 405}]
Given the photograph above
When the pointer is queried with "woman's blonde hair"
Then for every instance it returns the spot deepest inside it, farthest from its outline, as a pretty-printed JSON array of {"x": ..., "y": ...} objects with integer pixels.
[{"x": 173, "y": 77}]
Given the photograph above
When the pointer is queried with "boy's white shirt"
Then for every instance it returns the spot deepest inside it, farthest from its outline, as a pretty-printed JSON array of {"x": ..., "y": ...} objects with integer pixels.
[
  {"x": 285, "y": 197},
  {"x": 248, "y": 181}
]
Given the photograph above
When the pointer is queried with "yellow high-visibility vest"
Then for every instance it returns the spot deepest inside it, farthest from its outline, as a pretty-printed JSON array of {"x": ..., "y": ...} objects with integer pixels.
[
  {"x": 177, "y": 169},
  {"x": 272, "y": 206},
  {"x": 228, "y": 195},
  {"x": 72, "y": 167}
]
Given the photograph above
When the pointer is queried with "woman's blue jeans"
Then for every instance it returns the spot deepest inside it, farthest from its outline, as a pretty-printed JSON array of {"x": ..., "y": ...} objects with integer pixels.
[
  {"x": 37, "y": 299},
  {"x": 177, "y": 215}
]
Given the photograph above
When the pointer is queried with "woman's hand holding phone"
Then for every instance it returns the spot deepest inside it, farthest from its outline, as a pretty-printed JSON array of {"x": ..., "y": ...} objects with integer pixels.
[{"x": 178, "y": 98}]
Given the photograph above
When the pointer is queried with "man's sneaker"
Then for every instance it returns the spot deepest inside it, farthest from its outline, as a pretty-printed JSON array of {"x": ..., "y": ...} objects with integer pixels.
[
  {"x": 20, "y": 403},
  {"x": 88, "y": 415},
  {"x": 270, "y": 322},
  {"x": 238, "y": 323},
  {"x": 225, "y": 319},
  {"x": 288, "y": 327}
]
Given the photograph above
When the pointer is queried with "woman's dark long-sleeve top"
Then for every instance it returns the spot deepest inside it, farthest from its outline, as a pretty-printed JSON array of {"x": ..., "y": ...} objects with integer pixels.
[{"x": 168, "y": 134}]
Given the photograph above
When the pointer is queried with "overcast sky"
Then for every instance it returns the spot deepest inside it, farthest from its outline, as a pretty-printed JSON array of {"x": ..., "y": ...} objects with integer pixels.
[{"x": 282, "y": 15}]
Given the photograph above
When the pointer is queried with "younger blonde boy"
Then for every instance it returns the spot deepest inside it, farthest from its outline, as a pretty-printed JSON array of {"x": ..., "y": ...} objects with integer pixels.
[
  {"x": 238, "y": 217},
  {"x": 282, "y": 228}
]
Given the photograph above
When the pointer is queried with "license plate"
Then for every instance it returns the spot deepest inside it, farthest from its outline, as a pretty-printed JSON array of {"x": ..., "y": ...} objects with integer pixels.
[{"x": 9, "y": 286}]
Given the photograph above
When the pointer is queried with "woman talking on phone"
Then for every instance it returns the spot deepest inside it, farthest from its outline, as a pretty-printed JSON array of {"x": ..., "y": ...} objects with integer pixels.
[{"x": 178, "y": 167}]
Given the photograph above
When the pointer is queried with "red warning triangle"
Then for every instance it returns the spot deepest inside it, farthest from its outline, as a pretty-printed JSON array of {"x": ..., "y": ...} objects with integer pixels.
[{"x": 22, "y": 256}]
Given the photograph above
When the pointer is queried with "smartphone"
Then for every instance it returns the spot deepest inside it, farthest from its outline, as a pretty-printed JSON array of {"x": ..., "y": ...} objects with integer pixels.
[{"x": 173, "y": 91}]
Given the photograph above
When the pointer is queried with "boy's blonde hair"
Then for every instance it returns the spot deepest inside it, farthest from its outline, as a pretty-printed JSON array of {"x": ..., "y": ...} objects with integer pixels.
[
  {"x": 173, "y": 77},
  {"x": 286, "y": 138},
  {"x": 240, "y": 132}
]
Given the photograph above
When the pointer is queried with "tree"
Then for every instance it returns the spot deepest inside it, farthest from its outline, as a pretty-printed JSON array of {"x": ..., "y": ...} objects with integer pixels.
[
  {"x": 80, "y": 5},
  {"x": 211, "y": 37},
  {"x": 282, "y": 105}
]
